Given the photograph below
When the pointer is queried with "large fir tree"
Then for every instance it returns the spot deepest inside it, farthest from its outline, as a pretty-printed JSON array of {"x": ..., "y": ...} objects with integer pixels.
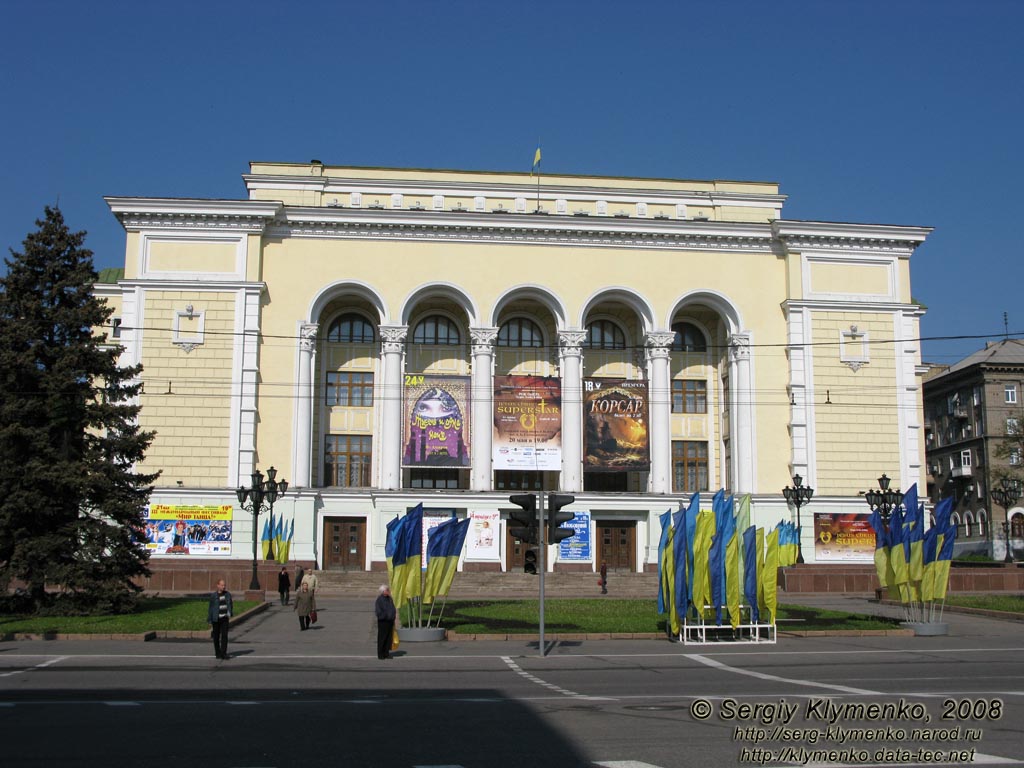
[{"x": 71, "y": 502}]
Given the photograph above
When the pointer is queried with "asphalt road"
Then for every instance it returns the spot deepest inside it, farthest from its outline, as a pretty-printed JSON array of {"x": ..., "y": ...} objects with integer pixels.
[{"x": 322, "y": 698}]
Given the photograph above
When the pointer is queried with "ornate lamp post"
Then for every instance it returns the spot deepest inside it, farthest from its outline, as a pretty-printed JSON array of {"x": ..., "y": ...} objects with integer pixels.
[
  {"x": 798, "y": 495},
  {"x": 1006, "y": 496},
  {"x": 883, "y": 499},
  {"x": 252, "y": 499}
]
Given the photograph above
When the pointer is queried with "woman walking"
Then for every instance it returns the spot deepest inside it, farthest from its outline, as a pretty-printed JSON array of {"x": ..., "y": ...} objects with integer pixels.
[
  {"x": 384, "y": 608},
  {"x": 304, "y": 606}
]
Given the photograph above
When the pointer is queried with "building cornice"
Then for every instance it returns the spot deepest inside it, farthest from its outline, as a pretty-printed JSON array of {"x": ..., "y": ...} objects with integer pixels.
[
  {"x": 164, "y": 284},
  {"x": 521, "y": 228},
  {"x": 137, "y": 213},
  {"x": 827, "y": 235}
]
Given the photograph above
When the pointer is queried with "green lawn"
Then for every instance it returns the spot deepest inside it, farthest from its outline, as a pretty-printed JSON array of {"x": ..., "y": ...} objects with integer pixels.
[
  {"x": 153, "y": 613},
  {"x": 599, "y": 615},
  {"x": 1011, "y": 603}
]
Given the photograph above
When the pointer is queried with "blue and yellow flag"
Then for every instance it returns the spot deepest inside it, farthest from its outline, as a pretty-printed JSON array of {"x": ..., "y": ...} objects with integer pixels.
[
  {"x": 770, "y": 575},
  {"x": 943, "y": 559},
  {"x": 750, "y": 571},
  {"x": 453, "y": 552},
  {"x": 666, "y": 524},
  {"x": 705, "y": 530},
  {"x": 536, "y": 160},
  {"x": 407, "y": 556},
  {"x": 265, "y": 538},
  {"x": 685, "y": 521},
  {"x": 437, "y": 558}
]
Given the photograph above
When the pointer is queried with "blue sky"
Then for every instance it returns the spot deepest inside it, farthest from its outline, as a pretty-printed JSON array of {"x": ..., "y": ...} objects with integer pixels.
[{"x": 880, "y": 112}]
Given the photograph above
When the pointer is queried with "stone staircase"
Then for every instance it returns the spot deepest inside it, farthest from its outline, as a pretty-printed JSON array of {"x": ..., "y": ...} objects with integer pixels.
[{"x": 494, "y": 585}]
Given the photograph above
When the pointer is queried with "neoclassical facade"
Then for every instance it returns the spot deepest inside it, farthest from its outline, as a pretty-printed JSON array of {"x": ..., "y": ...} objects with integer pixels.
[{"x": 327, "y": 325}]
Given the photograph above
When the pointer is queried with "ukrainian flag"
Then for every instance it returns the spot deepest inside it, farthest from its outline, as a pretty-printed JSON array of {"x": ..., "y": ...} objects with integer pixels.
[
  {"x": 770, "y": 576},
  {"x": 942, "y": 562},
  {"x": 681, "y": 543},
  {"x": 456, "y": 539},
  {"x": 285, "y": 547},
  {"x": 703, "y": 534},
  {"x": 437, "y": 557},
  {"x": 265, "y": 538},
  {"x": 536, "y": 160},
  {"x": 750, "y": 571},
  {"x": 668, "y": 571},
  {"x": 407, "y": 556},
  {"x": 666, "y": 524},
  {"x": 881, "y": 549}
]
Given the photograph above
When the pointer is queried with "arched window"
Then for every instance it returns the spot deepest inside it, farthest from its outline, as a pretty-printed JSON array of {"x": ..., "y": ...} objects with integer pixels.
[
  {"x": 350, "y": 329},
  {"x": 982, "y": 521},
  {"x": 1017, "y": 525},
  {"x": 968, "y": 524},
  {"x": 520, "y": 332},
  {"x": 954, "y": 520},
  {"x": 604, "y": 334},
  {"x": 689, "y": 338},
  {"x": 436, "y": 329}
]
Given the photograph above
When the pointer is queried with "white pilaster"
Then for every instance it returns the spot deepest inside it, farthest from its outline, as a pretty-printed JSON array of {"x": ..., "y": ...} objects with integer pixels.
[
  {"x": 303, "y": 447},
  {"x": 659, "y": 402},
  {"x": 570, "y": 352},
  {"x": 801, "y": 400},
  {"x": 483, "y": 399},
  {"x": 743, "y": 456},
  {"x": 392, "y": 349}
]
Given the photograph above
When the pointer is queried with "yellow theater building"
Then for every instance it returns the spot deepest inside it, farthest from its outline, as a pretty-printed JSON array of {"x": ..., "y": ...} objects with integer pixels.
[{"x": 389, "y": 337}]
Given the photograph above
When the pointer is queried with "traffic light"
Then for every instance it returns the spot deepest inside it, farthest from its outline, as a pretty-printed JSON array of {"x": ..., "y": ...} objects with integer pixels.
[
  {"x": 530, "y": 561},
  {"x": 523, "y": 522},
  {"x": 556, "y": 517}
]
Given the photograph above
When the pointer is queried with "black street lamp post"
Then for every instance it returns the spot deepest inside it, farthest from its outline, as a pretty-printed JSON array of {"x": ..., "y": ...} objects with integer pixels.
[
  {"x": 883, "y": 499},
  {"x": 798, "y": 495},
  {"x": 1006, "y": 496},
  {"x": 252, "y": 499}
]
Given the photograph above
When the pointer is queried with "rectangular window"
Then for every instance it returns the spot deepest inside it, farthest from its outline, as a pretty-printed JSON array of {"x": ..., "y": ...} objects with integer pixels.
[
  {"x": 514, "y": 480},
  {"x": 115, "y": 328},
  {"x": 1010, "y": 393},
  {"x": 1015, "y": 457},
  {"x": 434, "y": 478},
  {"x": 689, "y": 396},
  {"x": 965, "y": 458},
  {"x": 606, "y": 482},
  {"x": 1012, "y": 426},
  {"x": 689, "y": 466},
  {"x": 346, "y": 388},
  {"x": 347, "y": 460}
]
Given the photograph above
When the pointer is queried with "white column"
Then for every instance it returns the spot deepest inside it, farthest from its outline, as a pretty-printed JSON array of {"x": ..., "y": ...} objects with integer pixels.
[
  {"x": 303, "y": 446},
  {"x": 743, "y": 457},
  {"x": 570, "y": 353},
  {"x": 392, "y": 349},
  {"x": 483, "y": 398},
  {"x": 659, "y": 379}
]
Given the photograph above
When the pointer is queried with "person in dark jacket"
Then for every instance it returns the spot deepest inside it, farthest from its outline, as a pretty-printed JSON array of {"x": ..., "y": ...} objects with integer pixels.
[
  {"x": 284, "y": 585},
  {"x": 384, "y": 608},
  {"x": 218, "y": 615},
  {"x": 604, "y": 578}
]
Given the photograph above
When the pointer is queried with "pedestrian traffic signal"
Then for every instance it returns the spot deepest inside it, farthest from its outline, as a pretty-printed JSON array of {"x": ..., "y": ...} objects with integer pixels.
[
  {"x": 556, "y": 517},
  {"x": 530, "y": 561},
  {"x": 522, "y": 523}
]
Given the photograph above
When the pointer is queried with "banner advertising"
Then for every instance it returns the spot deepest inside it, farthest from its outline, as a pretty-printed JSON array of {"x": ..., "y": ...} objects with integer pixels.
[
  {"x": 172, "y": 529},
  {"x": 844, "y": 538},
  {"x": 615, "y": 413},
  {"x": 578, "y": 547},
  {"x": 482, "y": 542},
  {"x": 527, "y": 423},
  {"x": 436, "y": 430}
]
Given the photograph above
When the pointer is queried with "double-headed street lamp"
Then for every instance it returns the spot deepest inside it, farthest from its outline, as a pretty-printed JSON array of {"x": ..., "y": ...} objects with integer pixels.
[
  {"x": 798, "y": 495},
  {"x": 252, "y": 499},
  {"x": 1006, "y": 496},
  {"x": 883, "y": 499}
]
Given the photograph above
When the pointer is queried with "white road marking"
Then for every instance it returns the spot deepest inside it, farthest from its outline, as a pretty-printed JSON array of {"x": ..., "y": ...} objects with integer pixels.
[
  {"x": 122, "y": 703},
  {"x": 626, "y": 764},
  {"x": 550, "y": 686},
  {"x": 763, "y": 676},
  {"x": 54, "y": 660}
]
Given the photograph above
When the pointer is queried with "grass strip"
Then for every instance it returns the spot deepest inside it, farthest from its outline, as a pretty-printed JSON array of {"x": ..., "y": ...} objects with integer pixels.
[
  {"x": 152, "y": 613},
  {"x": 1009, "y": 603},
  {"x": 632, "y": 616}
]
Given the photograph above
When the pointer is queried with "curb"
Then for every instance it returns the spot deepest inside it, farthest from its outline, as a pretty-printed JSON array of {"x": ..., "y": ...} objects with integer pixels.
[
  {"x": 153, "y": 634},
  {"x": 964, "y": 610}
]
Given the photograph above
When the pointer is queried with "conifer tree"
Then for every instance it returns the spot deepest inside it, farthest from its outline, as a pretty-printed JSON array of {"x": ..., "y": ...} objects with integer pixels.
[{"x": 71, "y": 502}]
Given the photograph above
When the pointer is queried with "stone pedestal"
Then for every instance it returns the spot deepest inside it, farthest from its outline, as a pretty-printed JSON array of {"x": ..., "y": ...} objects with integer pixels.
[{"x": 420, "y": 634}]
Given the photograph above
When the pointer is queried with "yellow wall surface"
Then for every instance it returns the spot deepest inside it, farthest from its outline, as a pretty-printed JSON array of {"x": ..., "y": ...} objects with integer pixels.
[
  {"x": 864, "y": 279},
  {"x": 186, "y": 396},
  {"x": 860, "y": 427},
  {"x": 187, "y": 256}
]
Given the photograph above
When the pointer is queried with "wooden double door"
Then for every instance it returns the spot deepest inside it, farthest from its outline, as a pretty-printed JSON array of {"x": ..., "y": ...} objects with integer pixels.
[
  {"x": 345, "y": 544},
  {"x": 616, "y": 544}
]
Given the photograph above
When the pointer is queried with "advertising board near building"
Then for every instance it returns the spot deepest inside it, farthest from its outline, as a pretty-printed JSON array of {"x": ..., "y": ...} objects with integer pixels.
[
  {"x": 436, "y": 430},
  {"x": 173, "y": 529},
  {"x": 576, "y": 548},
  {"x": 527, "y": 423},
  {"x": 615, "y": 425},
  {"x": 482, "y": 542},
  {"x": 846, "y": 538}
]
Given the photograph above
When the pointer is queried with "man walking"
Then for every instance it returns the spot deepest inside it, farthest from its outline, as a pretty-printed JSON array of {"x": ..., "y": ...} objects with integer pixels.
[
  {"x": 218, "y": 615},
  {"x": 384, "y": 608}
]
